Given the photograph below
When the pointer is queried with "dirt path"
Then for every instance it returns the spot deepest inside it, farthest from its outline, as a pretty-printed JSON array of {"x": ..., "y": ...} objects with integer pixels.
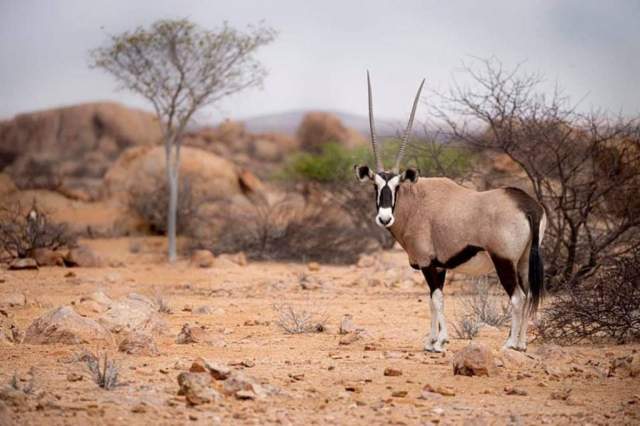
[{"x": 315, "y": 379}]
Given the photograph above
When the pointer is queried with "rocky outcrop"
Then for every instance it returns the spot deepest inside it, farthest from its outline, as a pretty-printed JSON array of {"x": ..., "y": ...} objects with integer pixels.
[
  {"x": 319, "y": 128},
  {"x": 72, "y": 147},
  {"x": 64, "y": 326}
]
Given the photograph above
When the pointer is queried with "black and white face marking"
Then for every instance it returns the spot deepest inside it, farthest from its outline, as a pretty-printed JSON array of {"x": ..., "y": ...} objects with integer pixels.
[{"x": 386, "y": 185}]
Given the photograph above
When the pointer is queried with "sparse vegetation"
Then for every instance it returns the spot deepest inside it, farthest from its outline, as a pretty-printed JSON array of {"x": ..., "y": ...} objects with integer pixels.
[
  {"x": 163, "y": 304},
  {"x": 480, "y": 308},
  {"x": 299, "y": 321},
  {"x": 289, "y": 229},
  {"x": 105, "y": 371},
  {"x": 23, "y": 230},
  {"x": 605, "y": 307}
]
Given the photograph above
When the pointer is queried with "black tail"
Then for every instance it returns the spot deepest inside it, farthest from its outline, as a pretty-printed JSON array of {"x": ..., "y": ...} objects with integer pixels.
[{"x": 536, "y": 267}]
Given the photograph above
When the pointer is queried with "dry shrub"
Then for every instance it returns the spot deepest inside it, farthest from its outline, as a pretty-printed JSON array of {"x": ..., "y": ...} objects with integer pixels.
[
  {"x": 481, "y": 308},
  {"x": 607, "y": 306},
  {"x": 293, "y": 321},
  {"x": 22, "y": 230},
  {"x": 104, "y": 370},
  {"x": 288, "y": 229},
  {"x": 151, "y": 204}
]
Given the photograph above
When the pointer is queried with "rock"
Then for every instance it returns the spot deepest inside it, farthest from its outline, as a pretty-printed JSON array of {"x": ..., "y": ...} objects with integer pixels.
[
  {"x": 64, "y": 326},
  {"x": 553, "y": 353},
  {"x": 13, "y": 300},
  {"x": 366, "y": 261},
  {"x": 510, "y": 390},
  {"x": 349, "y": 338},
  {"x": 203, "y": 258},
  {"x": 628, "y": 366},
  {"x": 240, "y": 382},
  {"x": 47, "y": 257},
  {"x": 399, "y": 394},
  {"x": 320, "y": 128},
  {"x": 512, "y": 359},
  {"x": 74, "y": 377},
  {"x": 22, "y": 264},
  {"x": 96, "y": 302},
  {"x": 196, "y": 387},
  {"x": 82, "y": 256},
  {"x": 346, "y": 325},
  {"x": 203, "y": 310},
  {"x": 313, "y": 266},
  {"x": 133, "y": 313},
  {"x": 139, "y": 344},
  {"x": 245, "y": 395},
  {"x": 9, "y": 331},
  {"x": 190, "y": 334},
  {"x": 139, "y": 169},
  {"x": 139, "y": 408},
  {"x": 440, "y": 390},
  {"x": 239, "y": 259},
  {"x": 474, "y": 360},
  {"x": 5, "y": 415},
  {"x": 392, "y": 372},
  {"x": 250, "y": 184},
  {"x": 217, "y": 371}
]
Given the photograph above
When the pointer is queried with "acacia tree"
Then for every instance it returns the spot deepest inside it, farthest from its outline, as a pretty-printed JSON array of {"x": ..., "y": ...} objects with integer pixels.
[
  {"x": 583, "y": 167},
  {"x": 179, "y": 68}
]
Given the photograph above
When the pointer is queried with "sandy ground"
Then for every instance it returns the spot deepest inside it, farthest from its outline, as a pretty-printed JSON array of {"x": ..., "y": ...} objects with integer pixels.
[{"x": 318, "y": 380}]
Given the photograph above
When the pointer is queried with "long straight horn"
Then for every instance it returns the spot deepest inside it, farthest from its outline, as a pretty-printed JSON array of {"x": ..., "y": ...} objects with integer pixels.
[
  {"x": 407, "y": 132},
  {"x": 372, "y": 126}
]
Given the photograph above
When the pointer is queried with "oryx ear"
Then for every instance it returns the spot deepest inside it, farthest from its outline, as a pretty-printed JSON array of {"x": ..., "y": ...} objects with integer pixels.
[
  {"x": 363, "y": 173},
  {"x": 410, "y": 174}
]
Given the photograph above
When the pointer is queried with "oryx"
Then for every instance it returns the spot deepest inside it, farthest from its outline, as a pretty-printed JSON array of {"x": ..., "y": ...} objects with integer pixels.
[{"x": 444, "y": 226}]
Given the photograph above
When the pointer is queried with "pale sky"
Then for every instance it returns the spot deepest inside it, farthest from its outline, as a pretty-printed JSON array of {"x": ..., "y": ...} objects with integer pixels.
[{"x": 592, "y": 48}]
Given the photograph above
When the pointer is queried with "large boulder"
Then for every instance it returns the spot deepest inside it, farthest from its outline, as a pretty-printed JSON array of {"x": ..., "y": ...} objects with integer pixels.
[
  {"x": 142, "y": 169},
  {"x": 64, "y": 326},
  {"x": 133, "y": 313},
  {"x": 474, "y": 360},
  {"x": 319, "y": 128},
  {"x": 72, "y": 146}
]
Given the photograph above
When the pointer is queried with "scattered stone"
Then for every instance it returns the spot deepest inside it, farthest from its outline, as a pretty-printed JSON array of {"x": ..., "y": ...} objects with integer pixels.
[
  {"x": 217, "y": 371},
  {"x": 139, "y": 408},
  {"x": 350, "y": 338},
  {"x": 309, "y": 282},
  {"x": 74, "y": 377},
  {"x": 510, "y": 390},
  {"x": 390, "y": 371},
  {"x": 64, "y": 326},
  {"x": 23, "y": 264},
  {"x": 196, "y": 387},
  {"x": 346, "y": 325},
  {"x": 139, "y": 344},
  {"x": 9, "y": 331},
  {"x": 399, "y": 394},
  {"x": 5, "y": 415},
  {"x": 628, "y": 366},
  {"x": 245, "y": 395},
  {"x": 438, "y": 411},
  {"x": 95, "y": 303},
  {"x": 201, "y": 310},
  {"x": 47, "y": 257},
  {"x": 84, "y": 257},
  {"x": 474, "y": 360},
  {"x": 190, "y": 334},
  {"x": 13, "y": 300},
  {"x": 239, "y": 259},
  {"x": 561, "y": 395},
  {"x": 203, "y": 258},
  {"x": 440, "y": 390},
  {"x": 512, "y": 359},
  {"x": 70, "y": 274},
  {"x": 313, "y": 266},
  {"x": 239, "y": 382},
  {"x": 133, "y": 313},
  {"x": 366, "y": 261}
]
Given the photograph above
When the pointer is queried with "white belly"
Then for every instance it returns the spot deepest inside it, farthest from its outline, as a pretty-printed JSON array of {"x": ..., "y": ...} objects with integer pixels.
[{"x": 480, "y": 264}]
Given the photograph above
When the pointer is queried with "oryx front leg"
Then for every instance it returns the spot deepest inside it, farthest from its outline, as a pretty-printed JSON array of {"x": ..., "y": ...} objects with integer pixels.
[{"x": 438, "y": 336}]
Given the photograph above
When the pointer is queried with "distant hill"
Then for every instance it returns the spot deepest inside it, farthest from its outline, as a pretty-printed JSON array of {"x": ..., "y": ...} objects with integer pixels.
[{"x": 288, "y": 121}]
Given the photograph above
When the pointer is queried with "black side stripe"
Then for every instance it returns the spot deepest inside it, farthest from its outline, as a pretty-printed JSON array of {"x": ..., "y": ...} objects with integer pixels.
[{"x": 459, "y": 258}]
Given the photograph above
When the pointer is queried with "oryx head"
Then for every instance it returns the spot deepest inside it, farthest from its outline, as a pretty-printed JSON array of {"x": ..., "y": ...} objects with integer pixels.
[{"x": 386, "y": 183}]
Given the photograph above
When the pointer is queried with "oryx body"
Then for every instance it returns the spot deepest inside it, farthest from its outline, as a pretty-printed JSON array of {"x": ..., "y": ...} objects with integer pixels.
[{"x": 444, "y": 226}]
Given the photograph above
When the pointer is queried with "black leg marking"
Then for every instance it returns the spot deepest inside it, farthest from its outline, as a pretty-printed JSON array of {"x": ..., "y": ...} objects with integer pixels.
[
  {"x": 415, "y": 266},
  {"x": 506, "y": 273},
  {"x": 435, "y": 278}
]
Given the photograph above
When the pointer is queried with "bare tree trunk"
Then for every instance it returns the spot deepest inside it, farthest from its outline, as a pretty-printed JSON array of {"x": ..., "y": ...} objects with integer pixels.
[{"x": 172, "y": 214}]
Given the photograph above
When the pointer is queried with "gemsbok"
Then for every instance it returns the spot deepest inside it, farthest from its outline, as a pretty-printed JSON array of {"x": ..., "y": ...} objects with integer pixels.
[{"x": 444, "y": 226}]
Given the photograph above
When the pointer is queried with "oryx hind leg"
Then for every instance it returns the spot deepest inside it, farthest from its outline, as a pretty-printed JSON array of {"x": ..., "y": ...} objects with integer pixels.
[
  {"x": 506, "y": 270},
  {"x": 438, "y": 337},
  {"x": 523, "y": 280}
]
